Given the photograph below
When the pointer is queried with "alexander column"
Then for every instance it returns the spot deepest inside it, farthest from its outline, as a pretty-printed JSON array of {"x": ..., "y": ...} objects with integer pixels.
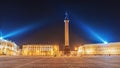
[{"x": 67, "y": 48}]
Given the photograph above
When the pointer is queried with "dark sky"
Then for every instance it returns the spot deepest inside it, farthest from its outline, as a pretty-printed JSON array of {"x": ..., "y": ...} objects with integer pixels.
[{"x": 47, "y": 18}]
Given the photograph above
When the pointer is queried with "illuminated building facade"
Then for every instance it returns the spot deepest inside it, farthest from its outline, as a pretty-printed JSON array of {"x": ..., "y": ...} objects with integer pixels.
[
  {"x": 7, "y": 47},
  {"x": 99, "y": 49},
  {"x": 41, "y": 50}
]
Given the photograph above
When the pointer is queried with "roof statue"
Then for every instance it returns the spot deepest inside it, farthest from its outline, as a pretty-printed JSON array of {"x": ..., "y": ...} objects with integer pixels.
[{"x": 66, "y": 16}]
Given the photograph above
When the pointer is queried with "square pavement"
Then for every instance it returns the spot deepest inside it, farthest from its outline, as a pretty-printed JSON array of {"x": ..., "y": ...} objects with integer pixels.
[{"x": 59, "y": 62}]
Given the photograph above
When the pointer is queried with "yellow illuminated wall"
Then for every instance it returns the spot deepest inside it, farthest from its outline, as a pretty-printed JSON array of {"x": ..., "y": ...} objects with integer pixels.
[
  {"x": 8, "y": 48},
  {"x": 43, "y": 50},
  {"x": 99, "y": 49}
]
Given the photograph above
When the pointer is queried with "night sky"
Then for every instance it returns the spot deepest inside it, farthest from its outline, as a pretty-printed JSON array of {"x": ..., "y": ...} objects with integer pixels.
[{"x": 46, "y": 21}]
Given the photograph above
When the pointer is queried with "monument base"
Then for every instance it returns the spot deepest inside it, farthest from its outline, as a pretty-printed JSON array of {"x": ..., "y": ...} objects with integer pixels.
[{"x": 67, "y": 51}]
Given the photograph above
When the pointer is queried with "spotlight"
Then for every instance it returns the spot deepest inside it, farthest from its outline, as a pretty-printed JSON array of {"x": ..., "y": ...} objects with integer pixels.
[
  {"x": 21, "y": 30},
  {"x": 93, "y": 33},
  {"x": 1, "y": 37},
  {"x": 105, "y": 42}
]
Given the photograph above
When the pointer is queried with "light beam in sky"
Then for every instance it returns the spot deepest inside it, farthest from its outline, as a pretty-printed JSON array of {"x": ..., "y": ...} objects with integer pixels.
[{"x": 20, "y": 31}]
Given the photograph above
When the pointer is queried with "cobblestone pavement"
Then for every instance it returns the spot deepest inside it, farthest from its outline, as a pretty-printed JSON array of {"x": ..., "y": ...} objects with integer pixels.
[{"x": 59, "y": 62}]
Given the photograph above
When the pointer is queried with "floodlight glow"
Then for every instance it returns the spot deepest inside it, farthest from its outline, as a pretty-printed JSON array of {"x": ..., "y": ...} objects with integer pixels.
[
  {"x": 93, "y": 33},
  {"x": 19, "y": 31},
  {"x": 105, "y": 42},
  {"x": 1, "y": 37}
]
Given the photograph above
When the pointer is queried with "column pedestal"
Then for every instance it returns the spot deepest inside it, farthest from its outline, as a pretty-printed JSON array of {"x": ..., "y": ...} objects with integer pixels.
[{"x": 67, "y": 51}]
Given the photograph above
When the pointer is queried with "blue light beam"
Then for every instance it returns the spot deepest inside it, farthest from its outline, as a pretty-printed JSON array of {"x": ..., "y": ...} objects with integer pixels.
[
  {"x": 1, "y": 35},
  {"x": 19, "y": 31},
  {"x": 89, "y": 30}
]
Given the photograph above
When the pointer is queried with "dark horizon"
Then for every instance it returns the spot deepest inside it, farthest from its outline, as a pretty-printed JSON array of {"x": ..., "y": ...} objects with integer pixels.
[{"x": 43, "y": 21}]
